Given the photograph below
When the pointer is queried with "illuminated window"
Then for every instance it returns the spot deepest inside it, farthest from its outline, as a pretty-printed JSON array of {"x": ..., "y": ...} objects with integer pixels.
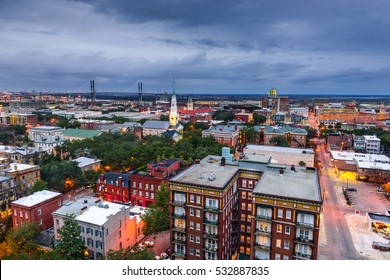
[
  {"x": 243, "y": 217},
  {"x": 243, "y": 206},
  {"x": 242, "y": 239},
  {"x": 279, "y": 228},
  {"x": 243, "y": 195},
  {"x": 286, "y": 245},
  {"x": 242, "y": 249},
  {"x": 278, "y": 243}
]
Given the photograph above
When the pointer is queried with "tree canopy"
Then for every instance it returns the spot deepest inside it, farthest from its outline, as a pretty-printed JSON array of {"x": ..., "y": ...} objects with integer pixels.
[{"x": 71, "y": 247}]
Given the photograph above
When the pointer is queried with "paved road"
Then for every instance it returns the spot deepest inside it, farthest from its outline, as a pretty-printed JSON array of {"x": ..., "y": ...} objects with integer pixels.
[{"x": 335, "y": 238}]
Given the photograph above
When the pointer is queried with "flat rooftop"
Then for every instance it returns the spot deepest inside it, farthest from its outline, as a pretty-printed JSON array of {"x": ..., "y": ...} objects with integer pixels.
[
  {"x": 279, "y": 155},
  {"x": 36, "y": 198},
  {"x": 344, "y": 155},
  {"x": 98, "y": 215},
  {"x": 208, "y": 173},
  {"x": 301, "y": 185},
  {"x": 74, "y": 207}
]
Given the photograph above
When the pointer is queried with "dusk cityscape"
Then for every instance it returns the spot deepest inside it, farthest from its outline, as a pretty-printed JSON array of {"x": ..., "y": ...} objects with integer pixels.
[{"x": 195, "y": 130}]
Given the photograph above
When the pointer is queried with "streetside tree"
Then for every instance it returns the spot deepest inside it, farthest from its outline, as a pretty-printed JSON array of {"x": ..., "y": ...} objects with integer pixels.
[
  {"x": 156, "y": 218},
  {"x": 71, "y": 247}
]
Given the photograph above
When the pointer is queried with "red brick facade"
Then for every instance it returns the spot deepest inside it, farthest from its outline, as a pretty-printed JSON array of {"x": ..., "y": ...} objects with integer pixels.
[{"x": 40, "y": 213}]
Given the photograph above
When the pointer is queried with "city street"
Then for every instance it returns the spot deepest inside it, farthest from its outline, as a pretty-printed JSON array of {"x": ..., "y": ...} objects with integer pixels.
[{"x": 344, "y": 235}]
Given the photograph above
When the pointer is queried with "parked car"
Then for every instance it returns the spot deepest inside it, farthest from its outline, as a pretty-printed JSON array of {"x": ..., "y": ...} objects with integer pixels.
[
  {"x": 164, "y": 256},
  {"x": 379, "y": 189},
  {"x": 148, "y": 244},
  {"x": 352, "y": 189}
]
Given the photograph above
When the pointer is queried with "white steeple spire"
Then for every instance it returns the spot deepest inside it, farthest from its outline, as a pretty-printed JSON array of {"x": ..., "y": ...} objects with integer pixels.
[{"x": 173, "y": 115}]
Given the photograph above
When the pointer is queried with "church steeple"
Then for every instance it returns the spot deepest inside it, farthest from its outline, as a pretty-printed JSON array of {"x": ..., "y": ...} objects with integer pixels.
[{"x": 173, "y": 115}]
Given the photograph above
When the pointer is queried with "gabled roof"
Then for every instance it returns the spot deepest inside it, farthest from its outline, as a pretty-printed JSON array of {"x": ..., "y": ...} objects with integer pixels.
[{"x": 156, "y": 124}]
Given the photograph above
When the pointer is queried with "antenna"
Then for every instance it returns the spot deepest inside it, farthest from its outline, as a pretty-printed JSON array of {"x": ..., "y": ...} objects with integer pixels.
[
  {"x": 139, "y": 91},
  {"x": 93, "y": 98}
]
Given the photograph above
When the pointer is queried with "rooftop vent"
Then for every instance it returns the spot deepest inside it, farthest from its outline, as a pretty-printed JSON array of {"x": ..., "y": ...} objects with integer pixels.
[
  {"x": 85, "y": 201},
  {"x": 281, "y": 171}
]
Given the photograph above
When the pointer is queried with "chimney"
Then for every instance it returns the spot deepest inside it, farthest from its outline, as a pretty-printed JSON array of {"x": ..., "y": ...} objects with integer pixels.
[
  {"x": 223, "y": 161},
  {"x": 281, "y": 171},
  {"x": 120, "y": 181}
]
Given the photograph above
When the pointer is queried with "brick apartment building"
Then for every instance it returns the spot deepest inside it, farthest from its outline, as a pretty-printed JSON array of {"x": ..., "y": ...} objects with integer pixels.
[
  {"x": 145, "y": 185},
  {"x": 213, "y": 212},
  {"x": 137, "y": 188},
  {"x": 224, "y": 134},
  {"x": 36, "y": 208},
  {"x": 339, "y": 141}
]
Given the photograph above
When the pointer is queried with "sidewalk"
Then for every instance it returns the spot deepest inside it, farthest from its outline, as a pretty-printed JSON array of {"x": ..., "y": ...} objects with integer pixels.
[{"x": 363, "y": 237}]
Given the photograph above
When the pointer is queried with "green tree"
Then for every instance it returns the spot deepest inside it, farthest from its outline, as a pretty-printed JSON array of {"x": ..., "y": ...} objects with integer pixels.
[
  {"x": 250, "y": 134},
  {"x": 223, "y": 116},
  {"x": 301, "y": 163},
  {"x": 156, "y": 219},
  {"x": 21, "y": 242},
  {"x": 258, "y": 119},
  {"x": 39, "y": 186},
  {"x": 71, "y": 247},
  {"x": 279, "y": 141}
]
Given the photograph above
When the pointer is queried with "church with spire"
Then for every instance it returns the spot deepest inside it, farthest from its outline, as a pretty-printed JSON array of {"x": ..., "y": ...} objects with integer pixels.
[{"x": 172, "y": 128}]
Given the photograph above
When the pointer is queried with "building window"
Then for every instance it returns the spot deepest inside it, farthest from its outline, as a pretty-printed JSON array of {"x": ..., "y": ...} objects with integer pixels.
[
  {"x": 16, "y": 222},
  {"x": 99, "y": 244},
  {"x": 98, "y": 233},
  {"x": 198, "y": 199},
  {"x": 57, "y": 222},
  {"x": 191, "y": 198},
  {"x": 285, "y": 258},
  {"x": 59, "y": 202},
  {"x": 287, "y": 229},
  {"x": 139, "y": 185},
  {"x": 248, "y": 240},
  {"x": 286, "y": 245},
  {"x": 242, "y": 249},
  {"x": 191, "y": 238},
  {"x": 248, "y": 250},
  {"x": 191, "y": 251},
  {"x": 191, "y": 211},
  {"x": 278, "y": 243},
  {"x": 243, "y": 195},
  {"x": 249, "y": 206},
  {"x": 120, "y": 234},
  {"x": 152, "y": 187},
  {"x": 191, "y": 225},
  {"x": 40, "y": 221},
  {"x": 26, "y": 215},
  {"x": 244, "y": 183},
  {"x": 242, "y": 228},
  {"x": 280, "y": 213},
  {"x": 243, "y": 217},
  {"x": 242, "y": 239},
  {"x": 248, "y": 218},
  {"x": 197, "y": 252},
  {"x": 15, "y": 212},
  {"x": 197, "y": 226},
  {"x": 279, "y": 228},
  {"x": 277, "y": 256},
  {"x": 89, "y": 231},
  {"x": 140, "y": 193},
  {"x": 248, "y": 229},
  {"x": 197, "y": 239},
  {"x": 81, "y": 229},
  {"x": 152, "y": 195},
  {"x": 243, "y": 206},
  {"x": 288, "y": 214},
  {"x": 198, "y": 213}
]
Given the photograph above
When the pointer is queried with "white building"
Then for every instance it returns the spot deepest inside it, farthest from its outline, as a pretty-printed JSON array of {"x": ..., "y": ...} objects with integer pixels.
[
  {"x": 302, "y": 111},
  {"x": 103, "y": 225},
  {"x": 88, "y": 163},
  {"x": 46, "y": 137},
  {"x": 372, "y": 144}
]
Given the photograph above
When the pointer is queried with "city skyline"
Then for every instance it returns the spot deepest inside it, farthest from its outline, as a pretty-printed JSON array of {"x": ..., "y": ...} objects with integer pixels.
[{"x": 246, "y": 47}]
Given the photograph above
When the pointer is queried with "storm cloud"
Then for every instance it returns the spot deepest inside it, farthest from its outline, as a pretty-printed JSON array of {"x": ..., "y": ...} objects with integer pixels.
[{"x": 335, "y": 46}]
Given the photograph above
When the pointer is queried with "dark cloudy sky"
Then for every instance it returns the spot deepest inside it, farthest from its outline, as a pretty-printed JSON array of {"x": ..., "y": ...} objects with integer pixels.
[{"x": 209, "y": 46}]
